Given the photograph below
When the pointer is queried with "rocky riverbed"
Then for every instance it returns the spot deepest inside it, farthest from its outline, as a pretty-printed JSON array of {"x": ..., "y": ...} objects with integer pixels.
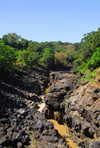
[{"x": 68, "y": 101}]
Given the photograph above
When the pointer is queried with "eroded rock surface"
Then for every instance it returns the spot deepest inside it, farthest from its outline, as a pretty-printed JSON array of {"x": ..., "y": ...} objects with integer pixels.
[
  {"x": 62, "y": 85},
  {"x": 18, "y": 112},
  {"x": 77, "y": 104},
  {"x": 67, "y": 101},
  {"x": 82, "y": 113}
]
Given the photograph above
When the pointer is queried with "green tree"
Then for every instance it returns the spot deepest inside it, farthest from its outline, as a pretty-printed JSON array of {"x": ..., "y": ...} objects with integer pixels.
[
  {"x": 60, "y": 43},
  {"x": 48, "y": 57},
  {"x": 77, "y": 46},
  {"x": 46, "y": 45},
  {"x": 14, "y": 40},
  {"x": 29, "y": 58},
  {"x": 95, "y": 59},
  {"x": 7, "y": 57},
  {"x": 32, "y": 45},
  {"x": 89, "y": 44}
]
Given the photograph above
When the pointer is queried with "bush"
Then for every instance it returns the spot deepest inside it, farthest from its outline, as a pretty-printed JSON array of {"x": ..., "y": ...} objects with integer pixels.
[
  {"x": 78, "y": 62},
  {"x": 29, "y": 58},
  {"x": 60, "y": 58},
  {"x": 95, "y": 59},
  {"x": 48, "y": 57},
  {"x": 7, "y": 57}
]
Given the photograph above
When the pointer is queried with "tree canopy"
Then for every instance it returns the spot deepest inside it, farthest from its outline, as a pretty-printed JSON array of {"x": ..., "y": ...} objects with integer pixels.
[{"x": 16, "y": 50}]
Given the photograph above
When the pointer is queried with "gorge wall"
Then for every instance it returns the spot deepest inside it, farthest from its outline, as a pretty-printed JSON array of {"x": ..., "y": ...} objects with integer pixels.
[{"x": 77, "y": 104}]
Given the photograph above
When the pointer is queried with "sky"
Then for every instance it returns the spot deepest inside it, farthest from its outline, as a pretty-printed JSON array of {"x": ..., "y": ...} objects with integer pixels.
[{"x": 49, "y": 20}]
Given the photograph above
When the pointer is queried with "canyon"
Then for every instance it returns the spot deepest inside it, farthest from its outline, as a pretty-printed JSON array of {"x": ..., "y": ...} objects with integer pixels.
[{"x": 37, "y": 103}]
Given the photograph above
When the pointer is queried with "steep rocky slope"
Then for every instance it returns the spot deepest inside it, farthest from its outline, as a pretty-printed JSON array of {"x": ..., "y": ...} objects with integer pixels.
[{"x": 76, "y": 104}]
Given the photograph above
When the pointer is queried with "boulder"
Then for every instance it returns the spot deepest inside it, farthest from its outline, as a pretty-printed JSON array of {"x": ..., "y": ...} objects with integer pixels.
[
  {"x": 33, "y": 97},
  {"x": 54, "y": 99},
  {"x": 49, "y": 125},
  {"x": 61, "y": 86}
]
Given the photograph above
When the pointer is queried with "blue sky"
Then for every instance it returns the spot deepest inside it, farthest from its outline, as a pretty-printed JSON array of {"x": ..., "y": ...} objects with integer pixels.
[{"x": 49, "y": 20}]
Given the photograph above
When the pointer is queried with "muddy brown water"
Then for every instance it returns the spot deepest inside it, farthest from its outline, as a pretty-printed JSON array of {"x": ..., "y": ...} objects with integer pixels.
[{"x": 62, "y": 129}]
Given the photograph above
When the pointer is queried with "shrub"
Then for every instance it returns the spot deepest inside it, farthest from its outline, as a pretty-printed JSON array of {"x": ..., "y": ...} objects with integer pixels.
[
  {"x": 29, "y": 58},
  {"x": 7, "y": 57},
  {"x": 60, "y": 58},
  {"x": 48, "y": 57},
  {"x": 95, "y": 59}
]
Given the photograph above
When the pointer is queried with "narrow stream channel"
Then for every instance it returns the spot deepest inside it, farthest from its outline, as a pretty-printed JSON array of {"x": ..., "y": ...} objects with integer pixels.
[{"x": 62, "y": 129}]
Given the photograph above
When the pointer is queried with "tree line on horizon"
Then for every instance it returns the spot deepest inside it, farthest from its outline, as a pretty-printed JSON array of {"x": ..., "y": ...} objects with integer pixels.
[{"x": 15, "y": 50}]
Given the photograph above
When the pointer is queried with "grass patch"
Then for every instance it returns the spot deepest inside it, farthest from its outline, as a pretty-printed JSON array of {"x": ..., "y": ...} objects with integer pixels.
[
  {"x": 31, "y": 138},
  {"x": 90, "y": 75}
]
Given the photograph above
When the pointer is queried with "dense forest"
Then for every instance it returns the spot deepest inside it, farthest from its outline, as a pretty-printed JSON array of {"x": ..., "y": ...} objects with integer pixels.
[{"x": 15, "y": 51}]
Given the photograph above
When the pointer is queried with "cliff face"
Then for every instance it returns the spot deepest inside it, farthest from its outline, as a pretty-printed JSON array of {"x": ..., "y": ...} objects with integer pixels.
[
  {"x": 62, "y": 85},
  {"x": 76, "y": 104},
  {"x": 82, "y": 114}
]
